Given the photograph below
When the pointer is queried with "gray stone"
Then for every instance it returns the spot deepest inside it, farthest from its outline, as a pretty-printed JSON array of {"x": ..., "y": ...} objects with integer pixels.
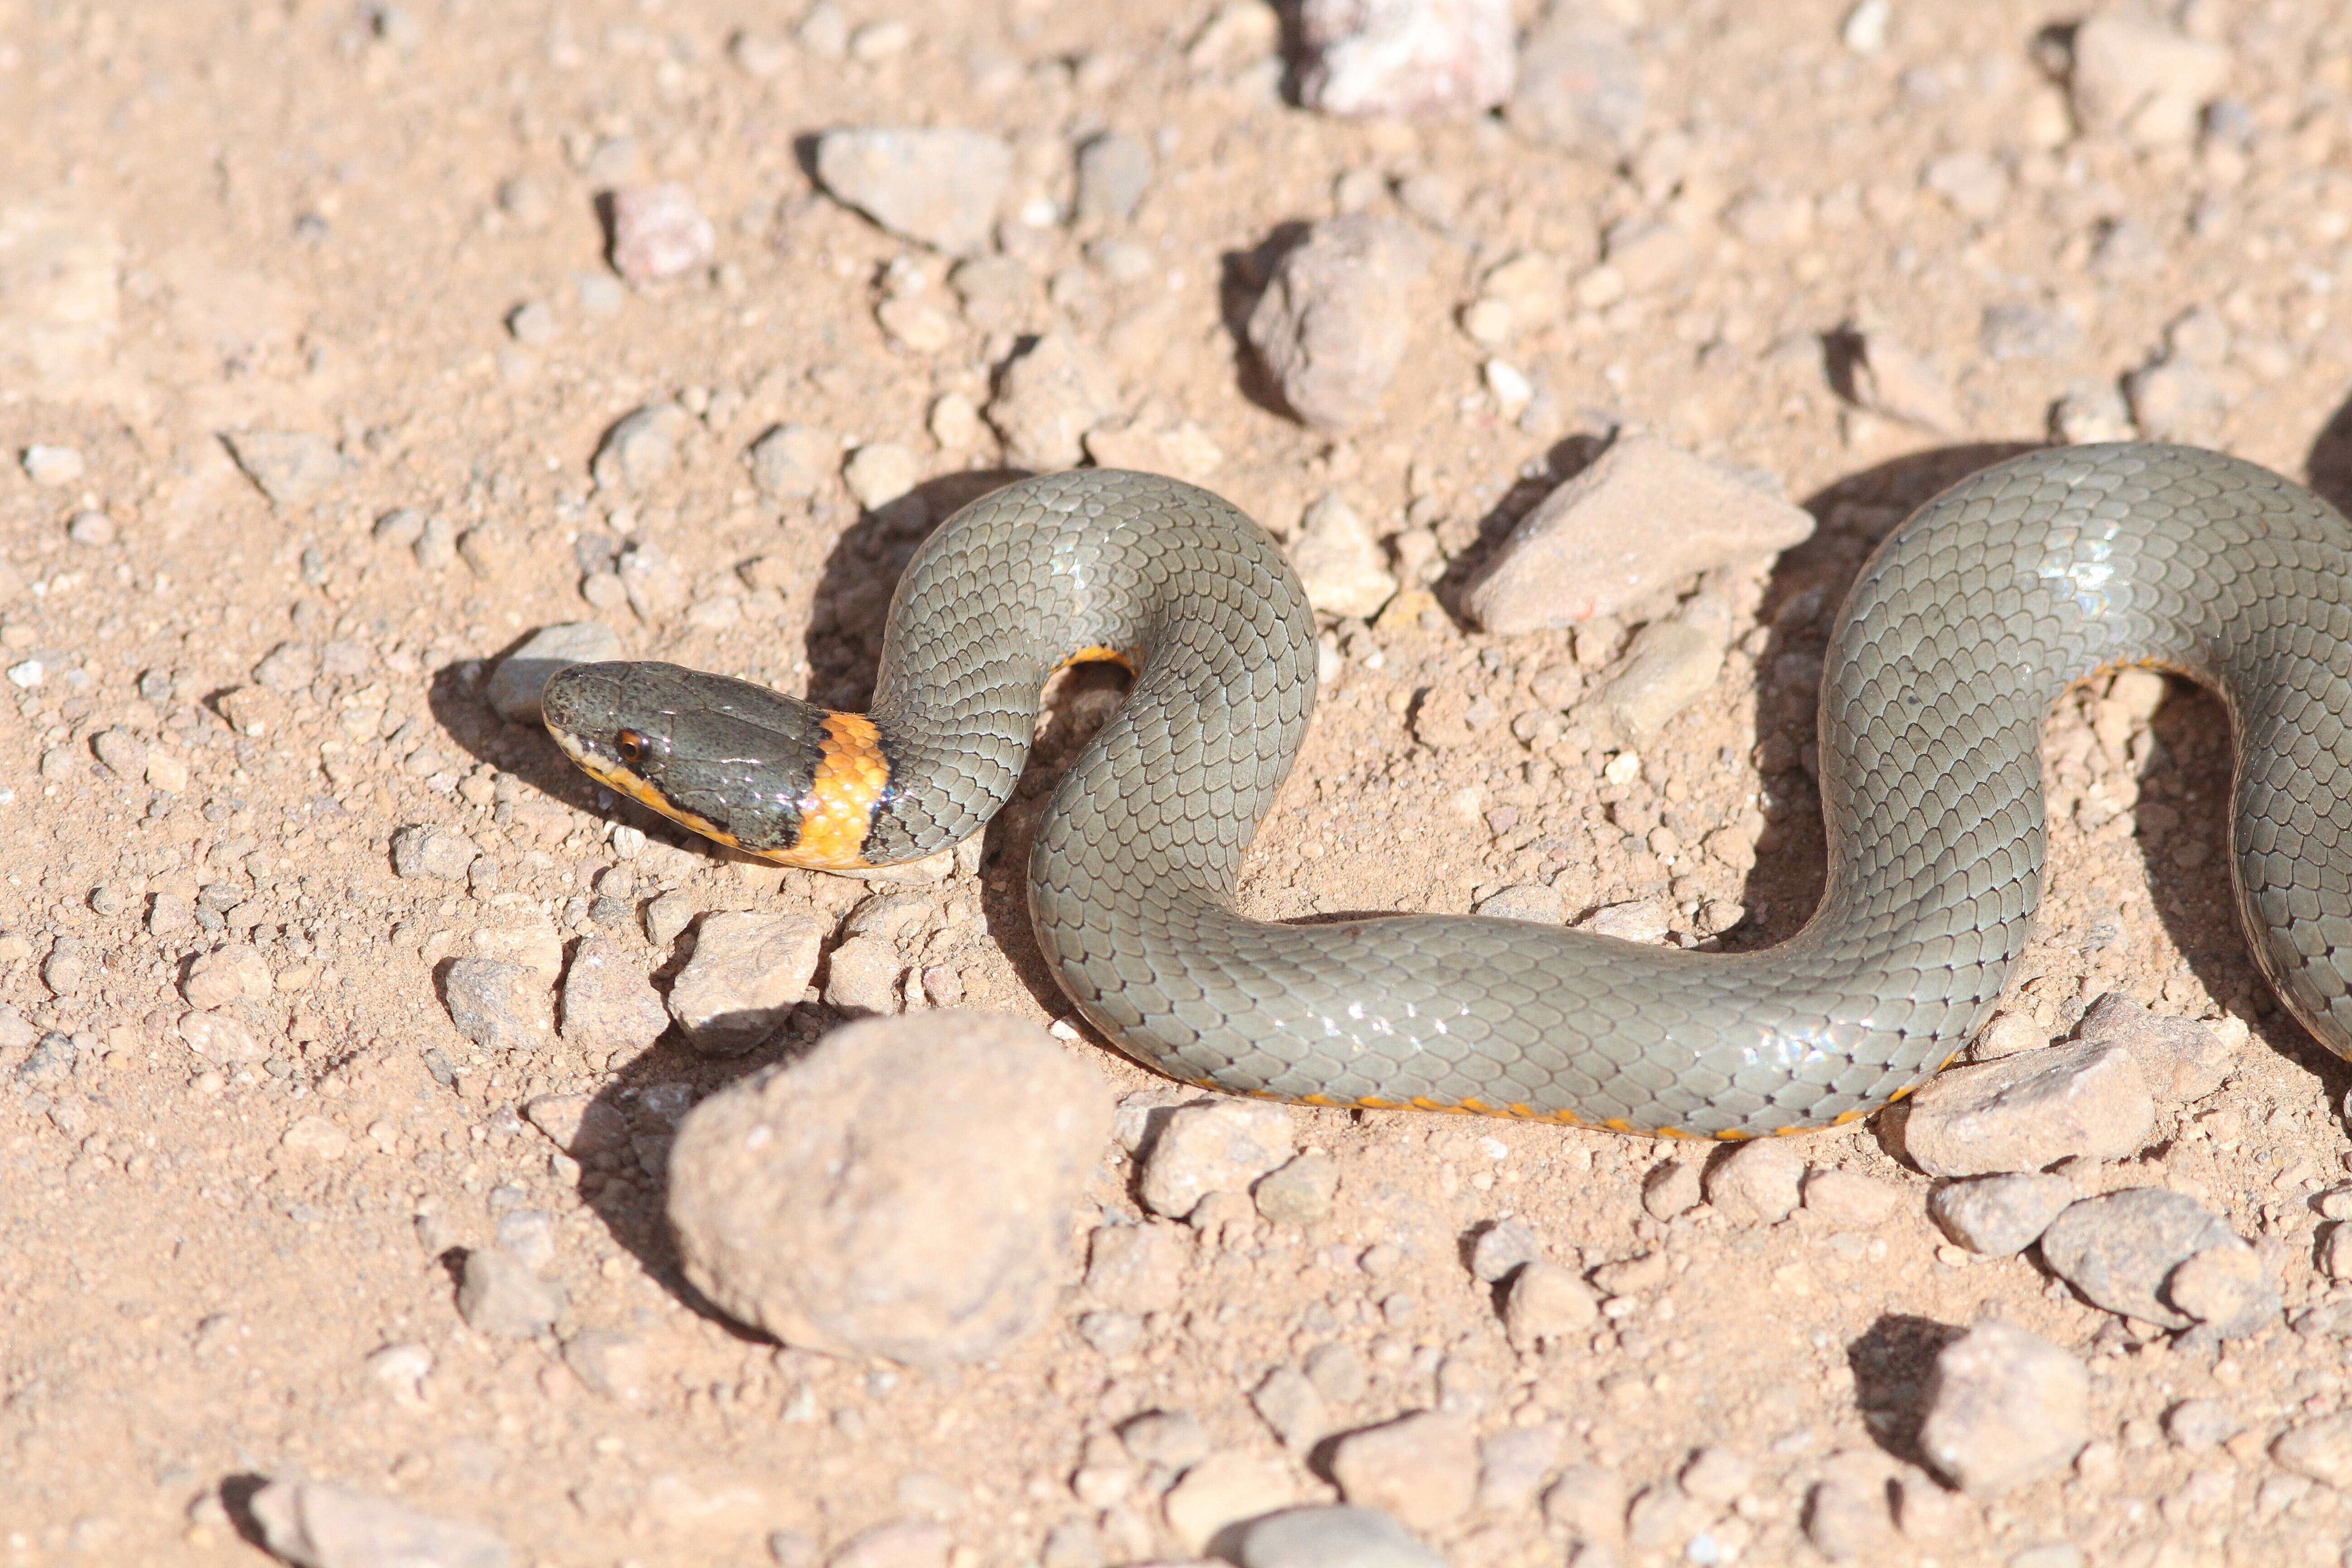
[
  {"x": 2000, "y": 1215},
  {"x": 1047, "y": 399},
  {"x": 1174, "y": 1439},
  {"x": 1547, "y": 1305},
  {"x": 1299, "y": 1193},
  {"x": 1501, "y": 1249},
  {"x": 1757, "y": 1183},
  {"x": 1332, "y": 1536},
  {"x": 1219, "y": 1146},
  {"x": 792, "y": 462},
  {"x": 2320, "y": 1450},
  {"x": 425, "y": 850},
  {"x": 320, "y": 1524},
  {"x": 641, "y": 448},
  {"x": 862, "y": 974},
  {"x": 609, "y": 1003},
  {"x": 292, "y": 467},
  {"x": 581, "y": 1127},
  {"x": 1136, "y": 1268},
  {"x": 2140, "y": 80},
  {"x": 514, "y": 688},
  {"x": 1421, "y": 1469},
  {"x": 2127, "y": 1251},
  {"x": 1580, "y": 84},
  {"x": 1405, "y": 60},
  {"x": 1531, "y": 901},
  {"x": 905, "y": 1190},
  {"x": 2180, "y": 1059},
  {"x": 500, "y": 1006},
  {"x": 1641, "y": 519},
  {"x": 2029, "y": 1110},
  {"x": 939, "y": 187},
  {"x": 748, "y": 972},
  {"x": 1892, "y": 379},
  {"x": 1287, "y": 1401},
  {"x": 2004, "y": 1409},
  {"x": 658, "y": 233},
  {"x": 1114, "y": 171},
  {"x": 500, "y": 1294},
  {"x": 2200, "y": 1426},
  {"x": 1513, "y": 1466},
  {"x": 1335, "y": 317},
  {"x": 1339, "y": 561}
]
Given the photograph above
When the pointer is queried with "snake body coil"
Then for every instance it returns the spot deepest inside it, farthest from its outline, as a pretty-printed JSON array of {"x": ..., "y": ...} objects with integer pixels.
[{"x": 1959, "y": 633}]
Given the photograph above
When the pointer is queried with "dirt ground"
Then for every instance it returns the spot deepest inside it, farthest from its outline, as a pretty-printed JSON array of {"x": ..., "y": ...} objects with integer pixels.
[{"x": 285, "y": 216}]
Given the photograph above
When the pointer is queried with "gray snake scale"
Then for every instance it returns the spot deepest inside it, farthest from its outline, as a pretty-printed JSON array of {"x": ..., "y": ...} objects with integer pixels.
[{"x": 1959, "y": 632}]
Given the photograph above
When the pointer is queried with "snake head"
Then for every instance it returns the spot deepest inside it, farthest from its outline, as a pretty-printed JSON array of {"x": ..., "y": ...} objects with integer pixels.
[{"x": 735, "y": 762}]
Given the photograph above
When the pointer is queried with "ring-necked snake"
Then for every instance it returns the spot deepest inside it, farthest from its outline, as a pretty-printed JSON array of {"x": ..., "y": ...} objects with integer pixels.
[{"x": 1959, "y": 633}]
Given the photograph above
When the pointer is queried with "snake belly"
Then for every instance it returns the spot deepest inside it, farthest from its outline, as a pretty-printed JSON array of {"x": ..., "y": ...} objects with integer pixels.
[{"x": 1961, "y": 629}]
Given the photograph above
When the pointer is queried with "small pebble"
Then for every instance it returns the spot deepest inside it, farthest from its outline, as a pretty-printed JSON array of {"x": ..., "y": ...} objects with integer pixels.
[
  {"x": 500, "y": 1006},
  {"x": 1299, "y": 1193},
  {"x": 1287, "y": 1401},
  {"x": 516, "y": 684},
  {"x": 1422, "y": 1468},
  {"x": 1225, "y": 1489},
  {"x": 746, "y": 974},
  {"x": 52, "y": 466},
  {"x": 1580, "y": 85},
  {"x": 1547, "y": 1305},
  {"x": 292, "y": 467},
  {"x": 791, "y": 462},
  {"x": 1219, "y": 1146},
  {"x": 2200, "y": 1426},
  {"x": 2125, "y": 1251},
  {"x": 1114, "y": 171},
  {"x": 609, "y": 1004},
  {"x": 658, "y": 233},
  {"x": 1437, "y": 59},
  {"x": 2139, "y": 80},
  {"x": 1172, "y": 1437},
  {"x": 1048, "y": 398},
  {"x": 499, "y": 1294},
  {"x": 2320, "y": 1450},
  {"x": 1340, "y": 562},
  {"x": 642, "y": 448},
  {"x": 1757, "y": 1183},
  {"x": 425, "y": 850},
  {"x": 2004, "y": 1409},
  {"x": 91, "y": 528}
]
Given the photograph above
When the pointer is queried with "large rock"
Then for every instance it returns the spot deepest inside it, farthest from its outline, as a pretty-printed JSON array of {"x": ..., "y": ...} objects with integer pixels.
[{"x": 903, "y": 1191}]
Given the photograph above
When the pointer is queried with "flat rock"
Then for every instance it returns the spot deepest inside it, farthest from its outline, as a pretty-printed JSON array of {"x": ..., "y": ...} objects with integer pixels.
[
  {"x": 1644, "y": 517},
  {"x": 938, "y": 187},
  {"x": 320, "y": 1524},
  {"x": 499, "y": 1294},
  {"x": 2320, "y": 1450},
  {"x": 1890, "y": 378},
  {"x": 1334, "y": 321},
  {"x": 1671, "y": 664},
  {"x": 1414, "y": 59},
  {"x": 515, "y": 686},
  {"x": 2004, "y": 1408},
  {"x": 2086, "y": 1100},
  {"x": 2136, "y": 79},
  {"x": 2126, "y": 1250},
  {"x": 749, "y": 972},
  {"x": 2000, "y": 1215},
  {"x": 905, "y": 1190},
  {"x": 2180, "y": 1059},
  {"x": 292, "y": 467},
  {"x": 1335, "y": 1536}
]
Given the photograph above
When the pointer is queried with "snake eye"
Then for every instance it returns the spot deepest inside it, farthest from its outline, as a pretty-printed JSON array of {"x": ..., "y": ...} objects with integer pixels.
[{"x": 630, "y": 747}]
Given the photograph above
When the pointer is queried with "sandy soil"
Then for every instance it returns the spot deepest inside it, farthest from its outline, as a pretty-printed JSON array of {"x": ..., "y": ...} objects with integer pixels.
[{"x": 288, "y": 217}]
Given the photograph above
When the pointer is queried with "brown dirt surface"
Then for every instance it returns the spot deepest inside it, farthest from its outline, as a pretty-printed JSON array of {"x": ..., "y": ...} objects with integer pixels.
[{"x": 384, "y": 228}]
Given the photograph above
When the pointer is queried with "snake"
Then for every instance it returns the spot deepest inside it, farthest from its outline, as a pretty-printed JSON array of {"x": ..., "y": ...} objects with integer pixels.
[{"x": 1962, "y": 629}]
